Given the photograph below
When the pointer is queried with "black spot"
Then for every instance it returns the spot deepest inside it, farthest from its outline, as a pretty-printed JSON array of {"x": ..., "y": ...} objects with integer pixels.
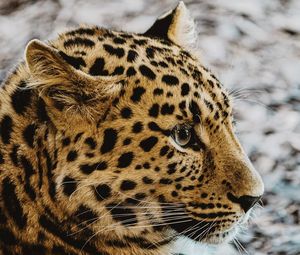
[
  {"x": 154, "y": 110},
  {"x": 171, "y": 168},
  {"x": 182, "y": 105},
  {"x": 185, "y": 89},
  {"x": 116, "y": 243},
  {"x": 90, "y": 142},
  {"x": 163, "y": 64},
  {"x": 12, "y": 203},
  {"x": 147, "y": 180},
  {"x": 158, "y": 92},
  {"x": 209, "y": 105},
  {"x": 126, "y": 113},
  {"x": 66, "y": 141},
  {"x": 109, "y": 140},
  {"x": 140, "y": 42},
  {"x": 7, "y": 238},
  {"x": 165, "y": 181},
  {"x": 132, "y": 55},
  {"x": 28, "y": 134},
  {"x": 169, "y": 94},
  {"x": 77, "y": 137},
  {"x": 140, "y": 196},
  {"x": 122, "y": 214},
  {"x": 127, "y": 141},
  {"x": 137, "y": 127},
  {"x": 6, "y": 129},
  {"x": 195, "y": 110},
  {"x": 119, "y": 52},
  {"x": 170, "y": 154},
  {"x": 73, "y": 61},
  {"x": 69, "y": 185},
  {"x": 217, "y": 115},
  {"x": 60, "y": 250},
  {"x": 90, "y": 155},
  {"x": 14, "y": 155},
  {"x": 72, "y": 155},
  {"x": 147, "y": 72},
  {"x": 130, "y": 71},
  {"x": 154, "y": 63},
  {"x": 1, "y": 159},
  {"x": 82, "y": 31},
  {"x": 85, "y": 214},
  {"x": 87, "y": 169},
  {"x": 164, "y": 150},
  {"x": 41, "y": 111},
  {"x": 137, "y": 94},
  {"x": 29, "y": 171},
  {"x": 78, "y": 41},
  {"x": 119, "y": 40},
  {"x": 56, "y": 229},
  {"x": 102, "y": 191},
  {"x": 174, "y": 193},
  {"x": 125, "y": 160},
  {"x": 98, "y": 67},
  {"x": 170, "y": 80},
  {"x": 204, "y": 195},
  {"x": 33, "y": 249},
  {"x": 21, "y": 98},
  {"x": 128, "y": 185},
  {"x": 146, "y": 165},
  {"x": 150, "y": 52},
  {"x": 118, "y": 70},
  {"x": 167, "y": 109},
  {"x": 148, "y": 143}
]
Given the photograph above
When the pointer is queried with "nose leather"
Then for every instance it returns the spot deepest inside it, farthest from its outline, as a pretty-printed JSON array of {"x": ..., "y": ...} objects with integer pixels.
[{"x": 246, "y": 202}]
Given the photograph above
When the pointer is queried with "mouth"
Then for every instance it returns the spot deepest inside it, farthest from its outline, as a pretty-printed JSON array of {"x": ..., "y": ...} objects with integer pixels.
[
  {"x": 203, "y": 231},
  {"x": 208, "y": 230}
]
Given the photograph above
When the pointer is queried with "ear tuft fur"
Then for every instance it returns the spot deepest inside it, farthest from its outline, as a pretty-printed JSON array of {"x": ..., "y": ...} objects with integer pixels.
[{"x": 176, "y": 25}]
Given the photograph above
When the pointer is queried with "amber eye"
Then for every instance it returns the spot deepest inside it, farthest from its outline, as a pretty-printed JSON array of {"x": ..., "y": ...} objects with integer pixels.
[{"x": 182, "y": 134}]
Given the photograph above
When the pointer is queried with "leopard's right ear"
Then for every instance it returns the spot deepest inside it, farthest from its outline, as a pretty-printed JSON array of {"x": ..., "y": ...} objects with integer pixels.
[
  {"x": 176, "y": 25},
  {"x": 66, "y": 89}
]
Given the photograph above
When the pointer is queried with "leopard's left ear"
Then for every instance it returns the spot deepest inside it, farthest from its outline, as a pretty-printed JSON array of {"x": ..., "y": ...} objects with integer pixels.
[{"x": 176, "y": 25}]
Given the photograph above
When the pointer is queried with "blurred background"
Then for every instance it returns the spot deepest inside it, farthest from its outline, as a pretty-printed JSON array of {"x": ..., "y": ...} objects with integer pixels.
[{"x": 253, "y": 46}]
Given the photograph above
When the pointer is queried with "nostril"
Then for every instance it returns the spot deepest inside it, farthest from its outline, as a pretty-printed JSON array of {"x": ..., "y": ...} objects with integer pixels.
[{"x": 247, "y": 202}]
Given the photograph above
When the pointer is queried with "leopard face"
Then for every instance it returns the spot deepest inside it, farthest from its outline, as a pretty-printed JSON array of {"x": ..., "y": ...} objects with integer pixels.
[{"x": 143, "y": 135}]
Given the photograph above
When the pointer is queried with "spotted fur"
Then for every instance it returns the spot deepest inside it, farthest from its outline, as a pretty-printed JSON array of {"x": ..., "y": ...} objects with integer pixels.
[{"x": 88, "y": 162}]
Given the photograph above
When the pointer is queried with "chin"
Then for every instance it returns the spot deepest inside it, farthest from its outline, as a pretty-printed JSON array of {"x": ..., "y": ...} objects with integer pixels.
[
  {"x": 211, "y": 245},
  {"x": 220, "y": 237}
]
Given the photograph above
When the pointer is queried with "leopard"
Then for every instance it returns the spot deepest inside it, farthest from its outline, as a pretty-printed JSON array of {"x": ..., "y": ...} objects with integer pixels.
[{"x": 123, "y": 143}]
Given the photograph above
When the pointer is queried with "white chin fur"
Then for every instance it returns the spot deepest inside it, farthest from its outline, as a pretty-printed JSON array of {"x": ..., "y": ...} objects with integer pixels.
[{"x": 187, "y": 246}]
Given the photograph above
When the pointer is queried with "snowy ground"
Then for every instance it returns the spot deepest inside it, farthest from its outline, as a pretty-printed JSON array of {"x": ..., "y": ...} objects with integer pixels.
[{"x": 252, "y": 45}]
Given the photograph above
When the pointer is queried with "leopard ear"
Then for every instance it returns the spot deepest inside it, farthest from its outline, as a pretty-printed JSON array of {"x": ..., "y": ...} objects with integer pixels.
[
  {"x": 176, "y": 25},
  {"x": 65, "y": 89}
]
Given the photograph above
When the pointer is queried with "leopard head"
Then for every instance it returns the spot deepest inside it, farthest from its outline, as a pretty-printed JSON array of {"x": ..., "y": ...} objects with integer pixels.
[{"x": 143, "y": 133}]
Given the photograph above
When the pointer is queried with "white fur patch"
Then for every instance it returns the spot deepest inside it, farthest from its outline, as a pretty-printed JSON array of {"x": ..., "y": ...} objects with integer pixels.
[
  {"x": 185, "y": 29},
  {"x": 187, "y": 246}
]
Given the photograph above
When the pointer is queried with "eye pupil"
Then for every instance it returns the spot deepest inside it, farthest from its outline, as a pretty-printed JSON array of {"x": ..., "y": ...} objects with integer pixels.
[{"x": 182, "y": 134}]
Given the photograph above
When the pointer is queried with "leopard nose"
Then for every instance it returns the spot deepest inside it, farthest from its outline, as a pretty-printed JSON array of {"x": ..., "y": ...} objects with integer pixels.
[{"x": 247, "y": 202}]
